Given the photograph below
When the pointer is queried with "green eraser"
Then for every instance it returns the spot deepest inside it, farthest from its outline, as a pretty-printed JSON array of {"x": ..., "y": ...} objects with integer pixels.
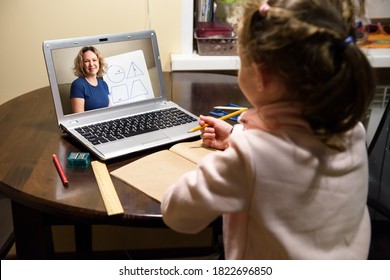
[{"x": 78, "y": 160}]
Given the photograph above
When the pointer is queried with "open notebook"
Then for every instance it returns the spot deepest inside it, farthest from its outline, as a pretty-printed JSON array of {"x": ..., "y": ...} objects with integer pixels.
[
  {"x": 137, "y": 93},
  {"x": 166, "y": 166}
]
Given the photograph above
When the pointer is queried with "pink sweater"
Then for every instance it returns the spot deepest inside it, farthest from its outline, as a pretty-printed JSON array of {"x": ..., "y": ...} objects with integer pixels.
[{"x": 283, "y": 194}]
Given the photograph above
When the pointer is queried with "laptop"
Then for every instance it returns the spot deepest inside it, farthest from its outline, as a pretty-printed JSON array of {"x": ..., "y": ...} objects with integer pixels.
[{"x": 136, "y": 89}]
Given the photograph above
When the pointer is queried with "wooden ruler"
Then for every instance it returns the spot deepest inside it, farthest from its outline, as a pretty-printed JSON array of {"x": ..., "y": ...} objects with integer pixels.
[{"x": 107, "y": 189}]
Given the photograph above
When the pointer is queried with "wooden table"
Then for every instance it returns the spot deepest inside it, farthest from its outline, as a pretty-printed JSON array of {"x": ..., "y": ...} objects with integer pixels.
[{"x": 29, "y": 138}]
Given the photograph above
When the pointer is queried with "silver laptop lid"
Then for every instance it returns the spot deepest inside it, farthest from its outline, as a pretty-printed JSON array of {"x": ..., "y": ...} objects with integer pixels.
[{"x": 134, "y": 73}]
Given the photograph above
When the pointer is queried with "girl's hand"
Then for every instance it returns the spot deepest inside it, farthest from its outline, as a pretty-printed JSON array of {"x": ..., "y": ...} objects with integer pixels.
[{"x": 216, "y": 134}]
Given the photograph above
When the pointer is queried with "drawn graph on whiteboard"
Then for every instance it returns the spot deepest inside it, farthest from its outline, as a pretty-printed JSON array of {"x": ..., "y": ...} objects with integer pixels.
[
  {"x": 127, "y": 78},
  {"x": 134, "y": 71},
  {"x": 138, "y": 89},
  {"x": 116, "y": 74}
]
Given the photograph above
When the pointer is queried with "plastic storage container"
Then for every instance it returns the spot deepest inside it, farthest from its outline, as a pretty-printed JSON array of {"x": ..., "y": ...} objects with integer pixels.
[{"x": 215, "y": 38}]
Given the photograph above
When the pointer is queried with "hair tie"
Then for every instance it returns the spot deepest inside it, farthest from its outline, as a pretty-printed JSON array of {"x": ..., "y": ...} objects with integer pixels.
[
  {"x": 348, "y": 41},
  {"x": 264, "y": 8}
]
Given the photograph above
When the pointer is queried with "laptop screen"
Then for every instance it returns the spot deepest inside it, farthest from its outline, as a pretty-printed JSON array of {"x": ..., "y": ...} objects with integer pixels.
[{"x": 132, "y": 72}]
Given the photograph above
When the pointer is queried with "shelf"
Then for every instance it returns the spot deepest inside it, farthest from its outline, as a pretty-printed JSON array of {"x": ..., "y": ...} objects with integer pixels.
[{"x": 379, "y": 58}]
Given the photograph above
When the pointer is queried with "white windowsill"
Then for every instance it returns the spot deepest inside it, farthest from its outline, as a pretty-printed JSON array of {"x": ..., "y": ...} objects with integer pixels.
[
  {"x": 379, "y": 58},
  {"x": 182, "y": 62}
]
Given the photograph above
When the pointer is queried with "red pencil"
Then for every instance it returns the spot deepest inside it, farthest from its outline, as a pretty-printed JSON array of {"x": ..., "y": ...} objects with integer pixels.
[{"x": 61, "y": 172}]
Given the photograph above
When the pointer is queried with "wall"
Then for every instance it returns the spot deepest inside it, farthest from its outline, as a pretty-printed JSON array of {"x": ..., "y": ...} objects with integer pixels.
[
  {"x": 24, "y": 25},
  {"x": 378, "y": 8}
]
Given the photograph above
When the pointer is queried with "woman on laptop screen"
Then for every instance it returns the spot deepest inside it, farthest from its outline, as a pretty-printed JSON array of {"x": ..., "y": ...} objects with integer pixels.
[{"x": 89, "y": 91}]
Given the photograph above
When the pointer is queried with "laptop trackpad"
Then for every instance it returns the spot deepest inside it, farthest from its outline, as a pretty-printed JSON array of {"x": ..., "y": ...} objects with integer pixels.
[{"x": 156, "y": 139}]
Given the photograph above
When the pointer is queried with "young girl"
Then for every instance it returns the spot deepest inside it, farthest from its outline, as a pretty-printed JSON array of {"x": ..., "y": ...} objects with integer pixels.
[{"x": 292, "y": 180}]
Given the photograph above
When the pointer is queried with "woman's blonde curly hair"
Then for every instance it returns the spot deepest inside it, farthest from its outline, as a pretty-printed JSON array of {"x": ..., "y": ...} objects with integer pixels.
[{"x": 78, "y": 68}]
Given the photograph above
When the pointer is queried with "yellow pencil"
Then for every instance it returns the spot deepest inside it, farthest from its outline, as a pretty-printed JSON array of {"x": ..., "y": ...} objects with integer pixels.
[{"x": 228, "y": 116}]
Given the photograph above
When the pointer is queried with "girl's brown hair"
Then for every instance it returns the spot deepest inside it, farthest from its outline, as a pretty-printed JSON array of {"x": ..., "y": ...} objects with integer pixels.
[{"x": 310, "y": 45}]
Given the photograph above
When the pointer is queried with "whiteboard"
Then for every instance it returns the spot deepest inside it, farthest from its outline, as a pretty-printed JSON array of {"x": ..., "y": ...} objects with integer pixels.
[{"x": 128, "y": 78}]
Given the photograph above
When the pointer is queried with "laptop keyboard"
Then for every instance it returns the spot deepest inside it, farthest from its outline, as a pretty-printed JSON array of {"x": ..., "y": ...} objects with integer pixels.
[{"x": 134, "y": 125}]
